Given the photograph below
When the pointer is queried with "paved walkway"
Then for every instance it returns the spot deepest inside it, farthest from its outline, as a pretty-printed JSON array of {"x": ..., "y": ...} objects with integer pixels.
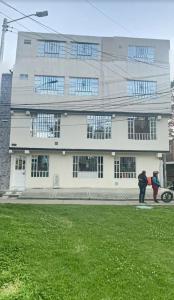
[
  {"x": 82, "y": 194},
  {"x": 4, "y": 200}
]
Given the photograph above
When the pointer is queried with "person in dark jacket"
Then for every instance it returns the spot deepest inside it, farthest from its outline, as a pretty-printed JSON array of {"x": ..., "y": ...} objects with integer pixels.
[
  {"x": 155, "y": 185},
  {"x": 142, "y": 183}
]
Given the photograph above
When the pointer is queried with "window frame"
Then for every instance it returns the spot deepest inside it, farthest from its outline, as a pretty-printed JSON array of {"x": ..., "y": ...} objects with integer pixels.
[
  {"x": 91, "y": 50},
  {"x": 44, "y": 48},
  {"x": 44, "y": 80},
  {"x": 134, "y": 88},
  {"x": 35, "y": 172},
  {"x": 91, "y": 86},
  {"x": 134, "y": 53},
  {"x": 39, "y": 126},
  {"x": 97, "y": 121},
  {"x": 151, "y": 135},
  {"x": 96, "y": 173},
  {"x": 118, "y": 173}
]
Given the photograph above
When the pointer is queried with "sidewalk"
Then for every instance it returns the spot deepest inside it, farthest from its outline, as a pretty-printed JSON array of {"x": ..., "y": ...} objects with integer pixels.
[
  {"x": 80, "y": 194},
  {"x": 148, "y": 203}
]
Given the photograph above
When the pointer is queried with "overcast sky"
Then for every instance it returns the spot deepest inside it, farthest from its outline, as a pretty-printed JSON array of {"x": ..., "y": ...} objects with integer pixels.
[{"x": 150, "y": 19}]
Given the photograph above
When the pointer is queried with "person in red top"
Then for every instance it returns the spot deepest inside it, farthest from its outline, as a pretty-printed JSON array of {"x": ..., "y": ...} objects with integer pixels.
[{"x": 155, "y": 185}]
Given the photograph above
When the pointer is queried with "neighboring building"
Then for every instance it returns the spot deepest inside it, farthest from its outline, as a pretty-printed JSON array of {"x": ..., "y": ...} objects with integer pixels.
[
  {"x": 88, "y": 111},
  {"x": 5, "y": 101},
  {"x": 170, "y": 162}
]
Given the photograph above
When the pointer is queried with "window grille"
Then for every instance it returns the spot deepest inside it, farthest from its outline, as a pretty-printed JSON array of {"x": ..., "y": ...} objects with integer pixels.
[
  {"x": 88, "y": 166},
  {"x": 146, "y": 54},
  {"x": 46, "y": 125},
  {"x": 85, "y": 50},
  {"x": 51, "y": 85},
  {"x": 142, "y": 128},
  {"x": 142, "y": 88},
  {"x": 40, "y": 166},
  {"x": 125, "y": 167},
  {"x": 51, "y": 49},
  {"x": 84, "y": 86},
  {"x": 99, "y": 127}
]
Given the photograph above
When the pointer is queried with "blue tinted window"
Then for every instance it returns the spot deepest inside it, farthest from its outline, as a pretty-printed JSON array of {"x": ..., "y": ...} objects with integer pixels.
[
  {"x": 84, "y": 86},
  {"x": 52, "y": 85}
]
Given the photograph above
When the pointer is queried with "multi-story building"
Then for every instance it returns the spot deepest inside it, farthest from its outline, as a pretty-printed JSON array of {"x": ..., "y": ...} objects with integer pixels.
[
  {"x": 88, "y": 111},
  {"x": 5, "y": 102}
]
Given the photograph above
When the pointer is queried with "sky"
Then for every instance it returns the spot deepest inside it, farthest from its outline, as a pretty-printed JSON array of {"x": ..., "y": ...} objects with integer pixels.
[{"x": 148, "y": 19}]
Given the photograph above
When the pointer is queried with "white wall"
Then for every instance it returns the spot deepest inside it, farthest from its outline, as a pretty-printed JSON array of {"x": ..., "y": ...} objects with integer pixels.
[
  {"x": 73, "y": 135},
  {"x": 62, "y": 165},
  {"x": 113, "y": 70}
]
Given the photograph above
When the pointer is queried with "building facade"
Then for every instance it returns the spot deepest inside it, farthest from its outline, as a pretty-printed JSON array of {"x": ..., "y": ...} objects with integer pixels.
[
  {"x": 5, "y": 102},
  {"x": 88, "y": 111}
]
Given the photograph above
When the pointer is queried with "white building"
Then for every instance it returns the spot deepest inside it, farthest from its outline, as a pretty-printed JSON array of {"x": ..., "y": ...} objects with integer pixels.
[{"x": 88, "y": 111}]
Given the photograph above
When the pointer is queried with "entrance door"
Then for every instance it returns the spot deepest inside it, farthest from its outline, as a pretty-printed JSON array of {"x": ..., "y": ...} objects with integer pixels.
[{"x": 19, "y": 173}]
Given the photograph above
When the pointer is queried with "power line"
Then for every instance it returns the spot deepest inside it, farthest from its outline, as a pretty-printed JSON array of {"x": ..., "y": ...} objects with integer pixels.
[
  {"x": 107, "y": 16},
  {"x": 55, "y": 31},
  {"x": 99, "y": 99}
]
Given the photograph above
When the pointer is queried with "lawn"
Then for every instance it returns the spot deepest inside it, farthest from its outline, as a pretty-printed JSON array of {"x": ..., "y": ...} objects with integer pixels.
[{"x": 86, "y": 253}]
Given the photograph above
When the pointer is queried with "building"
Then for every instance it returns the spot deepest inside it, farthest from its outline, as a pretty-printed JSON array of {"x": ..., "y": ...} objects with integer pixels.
[
  {"x": 170, "y": 163},
  {"x": 5, "y": 101},
  {"x": 88, "y": 111}
]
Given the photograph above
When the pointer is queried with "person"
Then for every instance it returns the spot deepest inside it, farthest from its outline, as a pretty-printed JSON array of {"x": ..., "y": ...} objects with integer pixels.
[
  {"x": 142, "y": 182},
  {"x": 155, "y": 185}
]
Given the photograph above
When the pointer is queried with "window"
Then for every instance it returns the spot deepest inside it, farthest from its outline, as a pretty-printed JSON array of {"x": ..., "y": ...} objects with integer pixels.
[
  {"x": 46, "y": 125},
  {"x": 88, "y": 166},
  {"x": 125, "y": 167},
  {"x": 99, "y": 127},
  {"x": 85, "y": 50},
  {"x": 40, "y": 166},
  {"x": 23, "y": 76},
  {"x": 27, "y": 42},
  {"x": 142, "y": 89},
  {"x": 146, "y": 54},
  {"x": 51, "y": 85},
  {"x": 51, "y": 49},
  {"x": 84, "y": 86},
  {"x": 142, "y": 128},
  {"x": 20, "y": 163}
]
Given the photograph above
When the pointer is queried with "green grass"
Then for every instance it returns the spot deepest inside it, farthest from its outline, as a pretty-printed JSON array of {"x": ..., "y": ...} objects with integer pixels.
[{"x": 86, "y": 253}]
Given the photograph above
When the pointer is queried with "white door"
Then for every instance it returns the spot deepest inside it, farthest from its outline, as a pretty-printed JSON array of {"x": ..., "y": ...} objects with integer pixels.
[{"x": 19, "y": 173}]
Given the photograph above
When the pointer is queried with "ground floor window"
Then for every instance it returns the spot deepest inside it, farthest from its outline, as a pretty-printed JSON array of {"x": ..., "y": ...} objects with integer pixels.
[
  {"x": 88, "y": 166},
  {"x": 40, "y": 166},
  {"x": 125, "y": 167}
]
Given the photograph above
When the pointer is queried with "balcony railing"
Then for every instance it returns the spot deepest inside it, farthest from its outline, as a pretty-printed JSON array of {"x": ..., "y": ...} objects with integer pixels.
[{"x": 142, "y": 136}]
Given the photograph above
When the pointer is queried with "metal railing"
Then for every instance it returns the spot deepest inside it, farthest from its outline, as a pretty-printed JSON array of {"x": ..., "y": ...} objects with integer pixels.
[
  {"x": 142, "y": 136},
  {"x": 125, "y": 175}
]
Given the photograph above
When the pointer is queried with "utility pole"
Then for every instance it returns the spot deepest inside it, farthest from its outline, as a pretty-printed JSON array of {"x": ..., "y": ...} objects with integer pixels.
[{"x": 5, "y": 27}]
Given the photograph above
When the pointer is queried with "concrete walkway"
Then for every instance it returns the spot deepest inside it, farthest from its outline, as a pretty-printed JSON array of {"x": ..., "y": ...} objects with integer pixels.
[
  {"x": 148, "y": 203},
  {"x": 81, "y": 194}
]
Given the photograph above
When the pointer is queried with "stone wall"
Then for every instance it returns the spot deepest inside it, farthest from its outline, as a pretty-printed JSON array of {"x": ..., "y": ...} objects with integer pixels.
[{"x": 5, "y": 101}]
